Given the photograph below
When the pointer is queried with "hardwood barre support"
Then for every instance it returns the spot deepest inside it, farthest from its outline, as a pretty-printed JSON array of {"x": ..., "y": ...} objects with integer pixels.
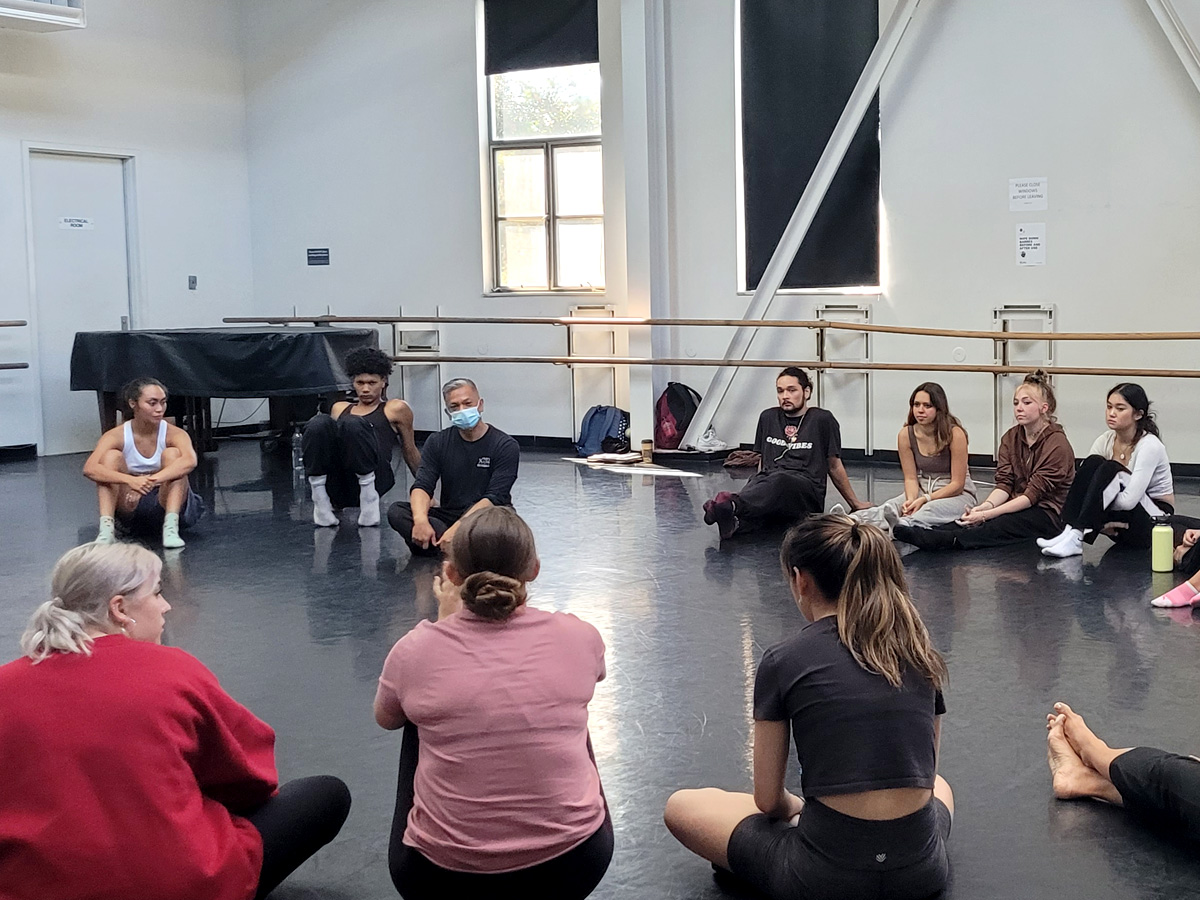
[
  {"x": 12, "y": 323},
  {"x": 725, "y": 323},
  {"x": 14, "y": 366},
  {"x": 807, "y": 364}
]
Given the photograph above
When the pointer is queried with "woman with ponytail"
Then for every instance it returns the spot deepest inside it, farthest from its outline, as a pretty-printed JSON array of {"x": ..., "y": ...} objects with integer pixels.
[
  {"x": 109, "y": 740},
  {"x": 859, "y": 688},
  {"x": 498, "y": 793}
]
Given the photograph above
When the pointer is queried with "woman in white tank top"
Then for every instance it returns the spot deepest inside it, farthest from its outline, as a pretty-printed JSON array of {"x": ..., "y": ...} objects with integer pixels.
[{"x": 144, "y": 490}]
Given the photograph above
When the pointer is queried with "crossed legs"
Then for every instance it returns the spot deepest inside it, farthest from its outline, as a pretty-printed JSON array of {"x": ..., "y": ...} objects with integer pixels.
[{"x": 1079, "y": 761}]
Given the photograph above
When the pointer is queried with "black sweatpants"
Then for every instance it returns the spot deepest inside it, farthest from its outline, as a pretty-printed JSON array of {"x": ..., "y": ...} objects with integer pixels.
[
  {"x": 571, "y": 876},
  {"x": 1190, "y": 563},
  {"x": 776, "y": 499},
  {"x": 1011, "y": 528},
  {"x": 400, "y": 517},
  {"x": 1162, "y": 789},
  {"x": 303, "y": 817},
  {"x": 342, "y": 449},
  {"x": 1084, "y": 507}
]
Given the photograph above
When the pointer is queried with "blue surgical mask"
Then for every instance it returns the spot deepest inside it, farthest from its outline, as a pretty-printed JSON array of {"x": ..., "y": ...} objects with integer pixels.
[{"x": 465, "y": 419}]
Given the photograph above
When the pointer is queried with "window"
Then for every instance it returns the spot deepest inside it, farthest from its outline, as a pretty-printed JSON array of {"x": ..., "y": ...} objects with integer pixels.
[{"x": 547, "y": 180}]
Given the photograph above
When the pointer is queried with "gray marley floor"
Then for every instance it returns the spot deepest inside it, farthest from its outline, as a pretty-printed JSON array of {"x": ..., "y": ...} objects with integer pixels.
[{"x": 296, "y": 623}]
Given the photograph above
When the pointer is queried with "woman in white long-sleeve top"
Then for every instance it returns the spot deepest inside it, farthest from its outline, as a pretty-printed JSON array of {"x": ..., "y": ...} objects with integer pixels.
[{"x": 1123, "y": 485}]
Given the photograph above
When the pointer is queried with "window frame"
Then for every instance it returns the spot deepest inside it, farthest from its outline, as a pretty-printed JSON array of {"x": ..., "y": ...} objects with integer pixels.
[{"x": 550, "y": 218}]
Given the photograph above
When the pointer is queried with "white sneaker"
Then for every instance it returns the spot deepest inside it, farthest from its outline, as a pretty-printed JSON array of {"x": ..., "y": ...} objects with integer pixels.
[{"x": 710, "y": 443}]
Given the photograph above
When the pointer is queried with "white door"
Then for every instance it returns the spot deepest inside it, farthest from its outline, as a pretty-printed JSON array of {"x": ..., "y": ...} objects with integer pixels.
[{"x": 81, "y": 281}]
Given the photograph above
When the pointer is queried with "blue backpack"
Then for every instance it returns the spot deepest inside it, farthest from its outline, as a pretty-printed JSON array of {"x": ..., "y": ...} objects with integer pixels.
[{"x": 603, "y": 430}]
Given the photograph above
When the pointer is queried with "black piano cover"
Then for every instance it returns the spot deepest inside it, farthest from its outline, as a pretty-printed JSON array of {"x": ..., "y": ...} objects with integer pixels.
[{"x": 220, "y": 362}]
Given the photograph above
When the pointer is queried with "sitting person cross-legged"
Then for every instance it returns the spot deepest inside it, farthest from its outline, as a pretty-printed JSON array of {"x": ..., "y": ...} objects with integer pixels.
[
  {"x": 800, "y": 447},
  {"x": 498, "y": 793},
  {"x": 1161, "y": 789},
  {"x": 128, "y": 771},
  {"x": 1123, "y": 485},
  {"x": 933, "y": 456},
  {"x": 141, "y": 470},
  {"x": 859, "y": 688},
  {"x": 348, "y": 452},
  {"x": 476, "y": 464}
]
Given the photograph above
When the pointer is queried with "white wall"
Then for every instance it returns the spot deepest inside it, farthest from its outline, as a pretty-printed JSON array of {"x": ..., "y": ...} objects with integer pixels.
[
  {"x": 163, "y": 80},
  {"x": 981, "y": 92}
]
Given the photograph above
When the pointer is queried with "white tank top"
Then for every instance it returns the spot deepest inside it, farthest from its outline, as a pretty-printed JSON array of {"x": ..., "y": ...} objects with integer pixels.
[{"x": 135, "y": 463}]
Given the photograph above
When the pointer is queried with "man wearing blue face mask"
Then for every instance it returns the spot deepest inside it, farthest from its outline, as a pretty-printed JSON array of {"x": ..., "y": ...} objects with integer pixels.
[{"x": 476, "y": 464}]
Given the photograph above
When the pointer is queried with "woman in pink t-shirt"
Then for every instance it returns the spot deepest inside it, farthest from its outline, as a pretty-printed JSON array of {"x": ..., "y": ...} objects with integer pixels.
[{"x": 501, "y": 792}]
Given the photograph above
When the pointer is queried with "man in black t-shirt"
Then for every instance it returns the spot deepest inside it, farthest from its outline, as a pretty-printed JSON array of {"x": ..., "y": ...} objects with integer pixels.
[
  {"x": 476, "y": 464},
  {"x": 801, "y": 447}
]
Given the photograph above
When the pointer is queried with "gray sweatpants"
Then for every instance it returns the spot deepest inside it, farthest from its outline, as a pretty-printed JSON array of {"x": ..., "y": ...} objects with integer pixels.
[{"x": 886, "y": 515}]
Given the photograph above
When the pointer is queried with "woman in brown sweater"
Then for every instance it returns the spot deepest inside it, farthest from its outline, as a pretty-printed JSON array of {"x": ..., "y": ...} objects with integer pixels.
[{"x": 1034, "y": 470}]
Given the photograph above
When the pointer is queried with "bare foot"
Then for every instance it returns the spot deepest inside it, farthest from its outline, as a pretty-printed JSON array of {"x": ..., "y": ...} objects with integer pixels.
[
  {"x": 1071, "y": 778},
  {"x": 1087, "y": 746}
]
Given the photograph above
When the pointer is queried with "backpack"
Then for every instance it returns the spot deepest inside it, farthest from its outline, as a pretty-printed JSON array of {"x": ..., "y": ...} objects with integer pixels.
[
  {"x": 673, "y": 414},
  {"x": 603, "y": 430}
]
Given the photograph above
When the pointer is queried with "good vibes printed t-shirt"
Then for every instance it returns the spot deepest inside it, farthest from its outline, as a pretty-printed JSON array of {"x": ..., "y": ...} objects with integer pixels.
[{"x": 798, "y": 444}]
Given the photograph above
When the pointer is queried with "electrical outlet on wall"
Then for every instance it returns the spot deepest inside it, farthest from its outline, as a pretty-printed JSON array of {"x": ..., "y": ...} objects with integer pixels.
[{"x": 191, "y": 282}]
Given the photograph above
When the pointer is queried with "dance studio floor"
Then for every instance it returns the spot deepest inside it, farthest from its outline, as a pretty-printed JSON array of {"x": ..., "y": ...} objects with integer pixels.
[{"x": 296, "y": 622}]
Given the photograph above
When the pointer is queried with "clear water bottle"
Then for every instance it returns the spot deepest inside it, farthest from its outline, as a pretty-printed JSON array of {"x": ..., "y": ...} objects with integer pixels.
[{"x": 297, "y": 452}]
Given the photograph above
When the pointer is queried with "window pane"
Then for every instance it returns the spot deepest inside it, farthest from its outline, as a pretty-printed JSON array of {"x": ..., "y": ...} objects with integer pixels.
[
  {"x": 579, "y": 181},
  {"x": 563, "y": 101},
  {"x": 522, "y": 255},
  {"x": 521, "y": 182},
  {"x": 580, "y": 253}
]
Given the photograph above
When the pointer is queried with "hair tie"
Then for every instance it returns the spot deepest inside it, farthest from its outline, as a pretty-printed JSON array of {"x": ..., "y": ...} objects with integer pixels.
[{"x": 56, "y": 601}]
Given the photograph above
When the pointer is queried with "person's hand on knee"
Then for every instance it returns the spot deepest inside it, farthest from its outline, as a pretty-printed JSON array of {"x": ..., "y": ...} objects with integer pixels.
[{"x": 423, "y": 534}]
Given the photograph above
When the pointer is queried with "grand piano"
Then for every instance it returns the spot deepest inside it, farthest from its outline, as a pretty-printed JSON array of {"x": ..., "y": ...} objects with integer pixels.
[{"x": 197, "y": 364}]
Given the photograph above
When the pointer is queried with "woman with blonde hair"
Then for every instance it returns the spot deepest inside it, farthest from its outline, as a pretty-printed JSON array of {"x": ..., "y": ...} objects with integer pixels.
[
  {"x": 859, "y": 688},
  {"x": 1035, "y": 466},
  {"x": 498, "y": 791},
  {"x": 109, "y": 740},
  {"x": 932, "y": 447}
]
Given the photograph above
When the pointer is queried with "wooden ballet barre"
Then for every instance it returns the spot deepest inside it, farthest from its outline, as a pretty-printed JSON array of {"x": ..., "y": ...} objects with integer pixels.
[
  {"x": 809, "y": 364},
  {"x": 724, "y": 323},
  {"x": 14, "y": 365},
  {"x": 12, "y": 323}
]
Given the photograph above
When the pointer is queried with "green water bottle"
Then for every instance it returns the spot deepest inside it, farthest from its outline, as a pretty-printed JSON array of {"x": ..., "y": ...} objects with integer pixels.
[{"x": 1162, "y": 547}]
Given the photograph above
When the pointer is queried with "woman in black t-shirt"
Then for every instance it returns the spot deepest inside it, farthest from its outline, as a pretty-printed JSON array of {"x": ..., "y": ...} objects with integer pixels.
[{"x": 860, "y": 689}]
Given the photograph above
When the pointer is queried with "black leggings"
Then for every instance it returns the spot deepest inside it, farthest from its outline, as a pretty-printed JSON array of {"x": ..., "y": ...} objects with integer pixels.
[
  {"x": 571, "y": 876},
  {"x": 1011, "y": 528},
  {"x": 1084, "y": 508},
  {"x": 776, "y": 500},
  {"x": 1162, "y": 789},
  {"x": 342, "y": 449},
  {"x": 303, "y": 817},
  {"x": 1190, "y": 563}
]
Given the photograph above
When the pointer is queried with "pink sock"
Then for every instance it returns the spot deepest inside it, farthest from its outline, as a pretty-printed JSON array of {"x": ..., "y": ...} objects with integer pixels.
[{"x": 1183, "y": 595}]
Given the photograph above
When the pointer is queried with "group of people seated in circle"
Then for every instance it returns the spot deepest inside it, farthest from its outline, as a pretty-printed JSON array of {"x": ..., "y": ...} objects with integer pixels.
[
  {"x": 498, "y": 790},
  {"x": 1120, "y": 490}
]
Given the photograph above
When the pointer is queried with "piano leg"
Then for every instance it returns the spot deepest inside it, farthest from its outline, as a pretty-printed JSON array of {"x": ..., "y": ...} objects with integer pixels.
[{"x": 107, "y": 403}]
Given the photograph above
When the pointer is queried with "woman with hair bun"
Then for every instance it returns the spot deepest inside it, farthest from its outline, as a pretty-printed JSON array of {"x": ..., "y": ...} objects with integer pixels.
[
  {"x": 1035, "y": 466},
  {"x": 1123, "y": 485},
  {"x": 128, "y": 771},
  {"x": 498, "y": 791},
  {"x": 859, "y": 688}
]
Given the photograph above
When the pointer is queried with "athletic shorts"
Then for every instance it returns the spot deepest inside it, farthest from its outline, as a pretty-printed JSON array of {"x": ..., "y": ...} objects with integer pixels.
[
  {"x": 831, "y": 856},
  {"x": 148, "y": 515}
]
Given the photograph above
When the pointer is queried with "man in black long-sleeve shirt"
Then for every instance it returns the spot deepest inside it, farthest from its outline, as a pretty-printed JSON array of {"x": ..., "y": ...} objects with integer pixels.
[{"x": 476, "y": 464}]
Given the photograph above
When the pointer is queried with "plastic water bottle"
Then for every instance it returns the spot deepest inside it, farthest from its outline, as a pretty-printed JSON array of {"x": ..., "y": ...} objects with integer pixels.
[
  {"x": 1162, "y": 547},
  {"x": 297, "y": 452}
]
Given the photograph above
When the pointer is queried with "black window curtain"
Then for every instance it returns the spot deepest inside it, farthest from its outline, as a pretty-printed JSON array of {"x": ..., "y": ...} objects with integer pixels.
[
  {"x": 537, "y": 34},
  {"x": 800, "y": 62}
]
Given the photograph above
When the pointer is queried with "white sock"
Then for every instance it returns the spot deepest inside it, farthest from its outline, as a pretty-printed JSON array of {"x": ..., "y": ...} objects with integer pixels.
[
  {"x": 368, "y": 500},
  {"x": 108, "y": 530},
  {"x": 1047, "y": 542},
  {"x": 171, "y": 539},
  {"x": 1070, "y": 544},
  {"x": 323, "y": 513}
]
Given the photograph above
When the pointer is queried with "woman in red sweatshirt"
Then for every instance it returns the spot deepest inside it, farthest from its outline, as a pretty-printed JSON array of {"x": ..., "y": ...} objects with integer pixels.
[{"x": 128, "y": 771}]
